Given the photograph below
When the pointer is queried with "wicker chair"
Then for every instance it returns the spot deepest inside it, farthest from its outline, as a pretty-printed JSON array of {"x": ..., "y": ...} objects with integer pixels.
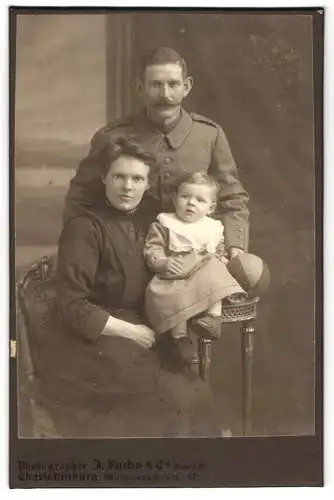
[
  {"x": 35, "y": 309},
  {"x": 36, "y": 296}
]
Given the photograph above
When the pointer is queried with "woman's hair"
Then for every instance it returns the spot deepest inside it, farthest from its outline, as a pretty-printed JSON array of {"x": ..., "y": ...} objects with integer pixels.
[
  {"x": 199, "y": 178},
  {"x": 126, "y": 146}
]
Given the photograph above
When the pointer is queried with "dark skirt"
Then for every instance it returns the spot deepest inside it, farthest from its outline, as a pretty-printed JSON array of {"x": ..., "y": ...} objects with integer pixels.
[
  {"x": 116, "y": 388},
  {"x": 110, "y": 388}
]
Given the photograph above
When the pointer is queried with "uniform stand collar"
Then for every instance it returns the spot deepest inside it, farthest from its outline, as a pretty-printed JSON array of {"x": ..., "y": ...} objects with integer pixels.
[{"x": 176, "y": 136}]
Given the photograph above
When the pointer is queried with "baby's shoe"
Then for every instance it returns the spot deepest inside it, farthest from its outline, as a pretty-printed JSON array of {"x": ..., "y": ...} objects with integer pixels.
[{"x": 207, "y": 326}]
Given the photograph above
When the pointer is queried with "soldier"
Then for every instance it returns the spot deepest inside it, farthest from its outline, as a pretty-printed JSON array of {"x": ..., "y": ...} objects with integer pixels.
[{"x": 182, "y": 143}]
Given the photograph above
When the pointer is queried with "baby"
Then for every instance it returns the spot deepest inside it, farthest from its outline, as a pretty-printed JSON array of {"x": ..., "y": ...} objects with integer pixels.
[{"x": 185, "y": 249}]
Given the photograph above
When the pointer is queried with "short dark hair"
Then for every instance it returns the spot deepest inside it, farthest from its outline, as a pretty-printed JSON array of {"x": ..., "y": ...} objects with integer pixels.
[
  {"x": 199, "y": 178},
  {"x": 162, "y": 55},
  {"x": 126, "y": 146}
]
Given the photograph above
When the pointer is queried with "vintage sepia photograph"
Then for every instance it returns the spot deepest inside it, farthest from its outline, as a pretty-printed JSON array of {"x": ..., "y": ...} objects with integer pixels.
[{"x": 165, "y": 206}]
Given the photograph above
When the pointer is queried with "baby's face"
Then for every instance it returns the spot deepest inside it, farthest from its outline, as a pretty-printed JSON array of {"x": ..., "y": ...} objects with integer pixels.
[{"x": 194, "y": 201}]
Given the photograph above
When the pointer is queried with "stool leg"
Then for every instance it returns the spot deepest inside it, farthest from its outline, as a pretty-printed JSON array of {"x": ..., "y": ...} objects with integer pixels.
[
  {"x": 204, "y": 354},
  {"x": 247, "y": 348}
]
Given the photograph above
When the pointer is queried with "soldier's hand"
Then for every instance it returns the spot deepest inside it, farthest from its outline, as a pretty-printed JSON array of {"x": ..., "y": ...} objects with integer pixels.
[{"x": 234, "y": 252}]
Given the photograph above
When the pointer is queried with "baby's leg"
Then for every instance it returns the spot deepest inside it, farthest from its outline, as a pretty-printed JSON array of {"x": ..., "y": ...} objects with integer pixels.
[
  {"x": 179, "y": 330},
  {"x": 209, "y": 325},
  {"x": 215, "y": 309}
]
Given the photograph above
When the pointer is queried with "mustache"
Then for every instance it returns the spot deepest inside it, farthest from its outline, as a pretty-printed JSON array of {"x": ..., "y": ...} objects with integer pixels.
[{"x": 163, "y": 103}]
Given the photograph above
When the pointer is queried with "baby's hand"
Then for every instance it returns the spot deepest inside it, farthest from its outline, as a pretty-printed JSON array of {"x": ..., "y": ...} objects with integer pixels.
[
  {"x": 159, "y": 264},
  {"x": 175, "y": 265}
]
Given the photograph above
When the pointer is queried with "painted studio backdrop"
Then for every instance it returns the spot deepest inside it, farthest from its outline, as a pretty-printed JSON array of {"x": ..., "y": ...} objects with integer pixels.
[{"x": 253, "y": 75}]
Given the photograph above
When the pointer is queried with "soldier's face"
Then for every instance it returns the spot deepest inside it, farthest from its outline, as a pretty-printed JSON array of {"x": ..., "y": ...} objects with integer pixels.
[
  {"x": 194, "y": 201},
  {"x": 163, "y": 90},
  {"x": 126, "y": 183}
]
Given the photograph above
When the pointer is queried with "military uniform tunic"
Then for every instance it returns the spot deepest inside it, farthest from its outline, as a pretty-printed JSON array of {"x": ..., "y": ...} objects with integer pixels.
[{"x": 194, "y": 144}]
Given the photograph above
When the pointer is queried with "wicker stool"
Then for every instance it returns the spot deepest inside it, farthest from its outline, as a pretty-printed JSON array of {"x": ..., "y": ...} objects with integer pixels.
[{"x": 245, "y": 314}]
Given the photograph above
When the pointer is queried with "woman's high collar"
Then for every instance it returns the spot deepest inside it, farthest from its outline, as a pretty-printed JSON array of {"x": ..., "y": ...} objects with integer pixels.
[{"x": 118, "y": 213}]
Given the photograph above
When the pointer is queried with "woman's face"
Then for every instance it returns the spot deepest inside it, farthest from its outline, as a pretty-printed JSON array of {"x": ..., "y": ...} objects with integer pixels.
[{"x": 126, "y": 182}]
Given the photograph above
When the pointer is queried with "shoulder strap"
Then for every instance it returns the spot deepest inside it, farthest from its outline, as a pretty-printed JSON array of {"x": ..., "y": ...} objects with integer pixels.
[
  {"x": 120, "y": 122},
  {"x": 98, "y": 139},
  {"x": 203, "y": 119}
]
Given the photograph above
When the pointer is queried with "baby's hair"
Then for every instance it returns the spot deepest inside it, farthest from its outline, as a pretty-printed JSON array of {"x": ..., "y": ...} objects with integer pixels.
[{"x": 199, "y": 178}]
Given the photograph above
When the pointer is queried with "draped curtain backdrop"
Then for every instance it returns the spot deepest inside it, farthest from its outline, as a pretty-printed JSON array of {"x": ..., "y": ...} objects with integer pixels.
[{"x": 253, "y": 75}]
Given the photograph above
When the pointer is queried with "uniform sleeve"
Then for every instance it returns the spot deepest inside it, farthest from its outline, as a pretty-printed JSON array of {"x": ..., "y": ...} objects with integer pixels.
[
  {"x": 78, "y": 258},
  {"x": 155, "y": 248},
  {"x": 233, "y": 200},
  {"x": 86, "y": 186},
  {"x": 220, "y": 248},
  {"x": 221, "y": 253}
]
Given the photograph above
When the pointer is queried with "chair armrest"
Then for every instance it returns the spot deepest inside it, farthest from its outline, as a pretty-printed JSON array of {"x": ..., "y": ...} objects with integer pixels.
[{"x": 33, "y": 297}]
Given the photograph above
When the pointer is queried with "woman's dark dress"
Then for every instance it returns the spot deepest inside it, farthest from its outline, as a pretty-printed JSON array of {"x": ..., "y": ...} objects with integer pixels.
[{"x": 96, "y": 385}]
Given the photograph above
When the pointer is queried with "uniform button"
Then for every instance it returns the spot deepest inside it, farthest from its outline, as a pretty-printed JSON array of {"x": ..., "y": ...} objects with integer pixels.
[
  {"x": 166, "y": 175},
  {"x": 167, "y": 160}
]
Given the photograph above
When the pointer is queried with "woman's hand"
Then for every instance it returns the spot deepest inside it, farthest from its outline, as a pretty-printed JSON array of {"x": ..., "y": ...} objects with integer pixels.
[{"x": 143, "y": 335}]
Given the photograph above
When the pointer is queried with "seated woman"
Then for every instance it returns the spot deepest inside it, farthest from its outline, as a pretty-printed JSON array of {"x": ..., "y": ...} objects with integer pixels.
[{"x": 101, "y": 373}]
